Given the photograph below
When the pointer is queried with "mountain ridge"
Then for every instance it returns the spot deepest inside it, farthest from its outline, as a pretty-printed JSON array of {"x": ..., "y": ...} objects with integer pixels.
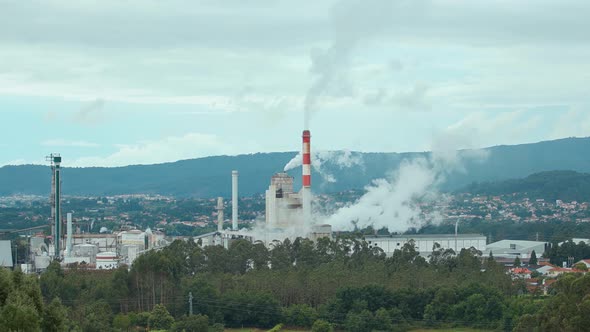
[{"x": 211, "y": 176}]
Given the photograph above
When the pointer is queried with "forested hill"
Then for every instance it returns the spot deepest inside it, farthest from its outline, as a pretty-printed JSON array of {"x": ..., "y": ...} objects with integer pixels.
[
  {"x": 564, "y": 185},
  {"x": 211, "y": 176}
]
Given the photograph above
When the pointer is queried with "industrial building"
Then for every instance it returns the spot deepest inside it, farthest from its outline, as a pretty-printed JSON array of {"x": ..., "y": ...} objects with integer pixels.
[
  {"x": 286, "y": 208},
  {"x": 101, "y": 251},
  {"x": 107, "y": 260},
  {"x": 283, "y": 206},
  {"x": 425, "y": 243},
  {"x": 288, "y": 214},
  {"x": 510, "y": 249},
  {"x": 5, "y": 254}
]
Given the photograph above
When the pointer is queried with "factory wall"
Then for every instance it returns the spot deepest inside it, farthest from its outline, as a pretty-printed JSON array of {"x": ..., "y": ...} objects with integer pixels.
[{"x": 425, "y": 243}]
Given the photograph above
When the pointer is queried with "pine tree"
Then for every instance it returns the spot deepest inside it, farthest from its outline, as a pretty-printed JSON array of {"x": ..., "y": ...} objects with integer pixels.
[{"x": 533, "y": 259}]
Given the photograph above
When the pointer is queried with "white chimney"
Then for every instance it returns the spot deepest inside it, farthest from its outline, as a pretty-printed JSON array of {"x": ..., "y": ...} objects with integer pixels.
[
  {"x": 234, "y": 200},
  {"x": 69, "y": 234},
  {"x": 220, "y": 214}
]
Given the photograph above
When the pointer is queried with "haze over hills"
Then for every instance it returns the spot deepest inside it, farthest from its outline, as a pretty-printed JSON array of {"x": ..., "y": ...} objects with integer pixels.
[
  {"x": 553, "y": 185},
  {"x": 211, "y": 176}
]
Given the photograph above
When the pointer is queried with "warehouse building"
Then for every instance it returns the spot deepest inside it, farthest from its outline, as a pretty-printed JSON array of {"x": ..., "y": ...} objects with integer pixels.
[{"x": 425, "y": 243}]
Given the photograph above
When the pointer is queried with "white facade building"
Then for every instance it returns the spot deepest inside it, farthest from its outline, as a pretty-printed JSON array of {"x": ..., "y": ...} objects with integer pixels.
[
  {"x": 516, "y": 248},
  {"x": 425, "y": 243},
  {"x": 133, "y": 237},
  {"x": 283, "y": 206}
]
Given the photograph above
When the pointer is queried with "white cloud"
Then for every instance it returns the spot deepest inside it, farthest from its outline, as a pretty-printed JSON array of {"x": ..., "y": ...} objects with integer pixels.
[
  {"x": 14, "y": 162},
  {"x": 60, "y": 142},
  {"x": 441, "y": 55},
  {"x": 575, "y": 122},
  {"x": 168, "y": 149}
]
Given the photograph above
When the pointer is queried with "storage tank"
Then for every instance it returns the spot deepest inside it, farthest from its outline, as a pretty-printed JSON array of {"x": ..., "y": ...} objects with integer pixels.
[{"x": 106, "y": 260}]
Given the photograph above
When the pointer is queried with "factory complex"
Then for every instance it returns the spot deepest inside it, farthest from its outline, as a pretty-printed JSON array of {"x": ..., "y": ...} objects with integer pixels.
[{"x": 288, "y": 213}]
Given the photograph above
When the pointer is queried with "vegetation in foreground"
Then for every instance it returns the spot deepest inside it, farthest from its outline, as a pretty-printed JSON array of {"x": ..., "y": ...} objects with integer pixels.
[{"x": 330, "y": 285}]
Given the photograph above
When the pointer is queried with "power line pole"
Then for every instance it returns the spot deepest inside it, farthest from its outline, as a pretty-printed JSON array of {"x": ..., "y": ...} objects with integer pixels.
[
  {"x": 190, "y": 303},
  {"x": 537, "y": 236}
]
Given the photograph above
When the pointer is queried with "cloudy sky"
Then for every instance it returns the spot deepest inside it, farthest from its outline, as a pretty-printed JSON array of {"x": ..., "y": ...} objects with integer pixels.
[{"x": 110, "y": 83}]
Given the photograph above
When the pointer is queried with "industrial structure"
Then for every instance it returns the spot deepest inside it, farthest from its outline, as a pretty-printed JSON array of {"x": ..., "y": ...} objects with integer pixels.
[
  {"x": 306, "y": 177},
  {"x": 69, "y": 232},
  {"x": 96, "y": 250},
  {"x": 288, "y": 214},
  {"x": 55, "y": 160},
  {"x": 283, "y": 205},
  {"x": 234, "y": 200},
  {"x": 219, "y": 214},
  {"x": 424, "y": 244},
  {"x": 510, "y": 249},
  {"x": 5, "y": 254}
]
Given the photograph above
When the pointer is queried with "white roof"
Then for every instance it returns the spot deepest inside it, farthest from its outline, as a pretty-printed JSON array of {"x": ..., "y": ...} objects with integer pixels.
[
  {"x": 519, "y": 244},
  {"x": 545, "y": 269}
]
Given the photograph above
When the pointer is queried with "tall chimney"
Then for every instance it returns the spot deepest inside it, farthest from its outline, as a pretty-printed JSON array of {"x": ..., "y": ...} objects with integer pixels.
[
  {"x": 56, "y": 174},
  {"x": 219, "y": 214},
  {"x": 306, "y": 159},
  {"x": 306, "y": 180},
  {"x": 69, "y": 233},
  {"x": 234, "y": 200}
]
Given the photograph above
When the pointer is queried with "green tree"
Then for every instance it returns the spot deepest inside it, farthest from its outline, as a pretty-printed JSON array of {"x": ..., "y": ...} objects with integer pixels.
[
  {"x": 19, "y": 313},
  {"x": 55, "y": 316},
  {"x": 382, "y": 320},
  {"x": 517, "y": 261},
  {"x": 122, "y": 322},
  {"x": 533, "y": 259},
  {"x": 300, "y": 315},
  {"x": 160, "y": 318},
  {"x": 141, "y": 319},
  {"x": 527, "y": 323},
  {"x": 6, "y": 285},
  {"x": 321, "y": 326},
  {"x": 95, "y": 316},
  {"x": 194, "y": 323},
  {"x": 359, "y": 322}
]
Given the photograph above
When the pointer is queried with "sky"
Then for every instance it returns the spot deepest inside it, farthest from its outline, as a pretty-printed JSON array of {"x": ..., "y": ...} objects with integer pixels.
[{"x": 114, "y": 83}]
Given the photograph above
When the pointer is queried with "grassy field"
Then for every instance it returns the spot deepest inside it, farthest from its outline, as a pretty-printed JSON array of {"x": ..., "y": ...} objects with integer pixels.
[
  {"x": 259, "y": 330},
  {"x": 458, "y": 329},
  {"x": 418, "y": 330}
]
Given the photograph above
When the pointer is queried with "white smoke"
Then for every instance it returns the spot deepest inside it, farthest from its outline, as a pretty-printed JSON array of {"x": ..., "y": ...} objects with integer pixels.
[
  {"x": 396, "y": 202},
  {"x": 353, "y": 22},
  {"x": 319, "y": 159}
]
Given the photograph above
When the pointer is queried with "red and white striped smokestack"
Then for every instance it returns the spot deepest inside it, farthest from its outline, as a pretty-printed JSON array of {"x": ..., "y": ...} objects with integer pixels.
[{"x": 306, "y": 159}]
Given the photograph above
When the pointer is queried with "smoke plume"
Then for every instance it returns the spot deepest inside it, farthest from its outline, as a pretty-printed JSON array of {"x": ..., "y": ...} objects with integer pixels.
[
  {"x": 352, "y": 23},
  {"x": 395, "y": 202},
  {"x": 320, "y": 159},
  {"x": 91, "y": 113}
]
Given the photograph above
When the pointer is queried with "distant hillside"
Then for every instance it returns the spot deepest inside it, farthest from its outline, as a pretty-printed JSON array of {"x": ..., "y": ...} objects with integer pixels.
[
  {"x": 211, "y": 176},
  {"x": 564, "y": 185}
]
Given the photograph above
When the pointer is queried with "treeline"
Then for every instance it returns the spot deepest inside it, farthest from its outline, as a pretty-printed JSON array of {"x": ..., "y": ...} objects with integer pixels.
[
  {"x": 551, "y": 186},
  {"x": 558, "y": 254},
  {"x": 345, "y": 284},
  {"x": 567, "y": 310}
]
